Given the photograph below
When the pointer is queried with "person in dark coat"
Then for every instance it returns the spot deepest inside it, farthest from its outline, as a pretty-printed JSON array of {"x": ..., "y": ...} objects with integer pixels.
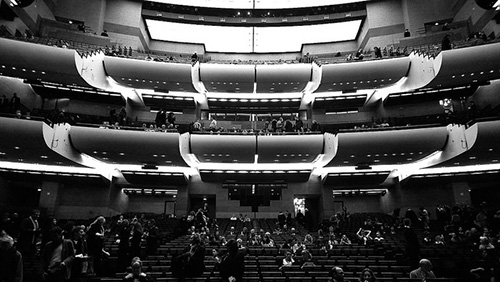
[
  {"x": 190, "y": 263},
  {"x": 11, "y": 260},
  {"x": 29, "y": 234},
  {"x": 57, "y": 257},
  {"x": 412, "y": 244},
  {"x": 232, "y": 264},
  {"x": 95, "y": 241}
]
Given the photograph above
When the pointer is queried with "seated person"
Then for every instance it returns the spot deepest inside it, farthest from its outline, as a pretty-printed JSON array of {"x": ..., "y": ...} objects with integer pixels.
[
  {"x": 424, "y": 272},
  {"x": 337, "y": 274},
  {"x": 267, "y": 241},
  {"x": 306, "y": 259},
  {"x": 288, "y": 260},
  {"x": 364, "y": 235},
  {"x": 345, "y": 240},
  {"x": 308, "y": 239},
  {"x": 137, "y": 274},
  {"x": 367, "y": 275},
  {"x": 378, "y": 237}
]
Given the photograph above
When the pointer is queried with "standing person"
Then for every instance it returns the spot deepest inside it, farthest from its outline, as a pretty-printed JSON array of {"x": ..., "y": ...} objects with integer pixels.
[
  {"x": 135, "y": 242},
  {"x": 57, "y": 257},
  {"x": 29, "y": 233},
  {"x": 11, "y": 260},
  {"x": 15, "y": 103},
  {"x": 192, "y": 262},
  {"x": 4, "y": 104},
  {"x": 412, "y": 244},
  {"x": 315, "y": 127},
  {"x": 123, "y": 245},
  {"x": 81, "y": 262},
  {"x": 153, "y": 238},
  {"x": 232, "y": 264},
  {"x": 446, "y": 43},
  {"x": 96, "y": 243},
  {"x": 171, "y": 118},
  {"x": 299, "y": 125}
]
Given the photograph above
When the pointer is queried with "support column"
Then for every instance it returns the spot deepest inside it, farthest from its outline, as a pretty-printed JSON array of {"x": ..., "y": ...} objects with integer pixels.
[
  {"x": 49, "y": 197},
  {"x": 461, "y": 193}
]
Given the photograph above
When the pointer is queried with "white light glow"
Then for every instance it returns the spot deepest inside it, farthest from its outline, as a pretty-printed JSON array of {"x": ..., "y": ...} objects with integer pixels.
[
  {"x": 259, "y": 4},
  {"x": 215, "y": 38},
  {"x": 253, "y": 39}
]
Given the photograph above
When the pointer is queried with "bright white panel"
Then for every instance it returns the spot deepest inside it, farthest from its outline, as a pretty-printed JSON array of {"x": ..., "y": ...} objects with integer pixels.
[
  {"x": 231, "y": 4},
  {"x": 215, "y": 38},
  {"x": 259, "y": 4},
  {"x": 266, "y": 39},
  {"x": 280, "y": 4},
  {"x": 291, "y": 38}
]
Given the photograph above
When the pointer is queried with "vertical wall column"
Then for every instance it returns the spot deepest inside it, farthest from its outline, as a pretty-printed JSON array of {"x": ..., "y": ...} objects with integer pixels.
[
  {"x": 49, "y": 197},
  {"x": 461, "y": 191}
]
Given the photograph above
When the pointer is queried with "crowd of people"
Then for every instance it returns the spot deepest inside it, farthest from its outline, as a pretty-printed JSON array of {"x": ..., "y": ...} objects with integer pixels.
[
  {"x": 71, "y": 250},
  {"x": 75, "y": 250},
  {"x": 271, "y": 126}
]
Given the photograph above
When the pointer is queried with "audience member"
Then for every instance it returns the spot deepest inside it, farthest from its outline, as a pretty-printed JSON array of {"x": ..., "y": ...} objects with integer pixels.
[
  {"x": 192, "y": 262},
  {"x": 81, "y": 262},
  {"x": 446, "y": 43},
  {"x": 11, "y": 260},
  {"x": 232, "y": 264},
  {"x": 412, "y": 244},
  {"x": 287, "y": 260},
  {"x": 135, "y": 241},
  {"x": 95, "y": 242},
  {"x": 137, "y": 275},
  {"x": 29, "y": 234},
  {"x": 367, "y": 275},
  {"x": 57, "y": 257},
  {"x": 424, "y": 271},
  {"x": 337, "y": 274}
]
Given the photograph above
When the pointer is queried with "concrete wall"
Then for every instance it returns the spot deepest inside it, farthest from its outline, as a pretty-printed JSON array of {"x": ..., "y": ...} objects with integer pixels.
[
  {"x": 91, "y": 12},
  {"x": 123, "y": 21},
  {"x": 9, "y": 86}
]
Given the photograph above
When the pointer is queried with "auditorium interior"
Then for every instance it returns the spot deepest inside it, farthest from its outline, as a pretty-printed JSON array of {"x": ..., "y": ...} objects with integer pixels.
[{"x": 350, "y": 111}]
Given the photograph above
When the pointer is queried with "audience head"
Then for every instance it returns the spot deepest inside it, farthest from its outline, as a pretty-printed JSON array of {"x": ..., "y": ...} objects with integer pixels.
[
  {"x": 367, "y": 275},
  {"x": 337, "y": 274},
  {"x": 407, "y": 222},
  {"x": 6, "y": 242},
  {"x": 425, "y": 265},
  {"x": 78, "y": 232},
  {"x": 56, "y": 234},
  {"x": 136, "y": 266}
]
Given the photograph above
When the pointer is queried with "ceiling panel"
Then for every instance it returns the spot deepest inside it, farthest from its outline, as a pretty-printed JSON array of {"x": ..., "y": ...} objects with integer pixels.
[
  {"x": 23, "y": 142},
  {"x": 127, "y": 146},
  {"x": 388, "y": 146},
  {"x": 465, "y": 66},
  {"x": 284, "y": 78},
  {"x": 363, "y": 75},
  {"x": 149, "y": 74},
  {"x": 215, "y": 148},
  {"x": 228, "y": 78},
  {"x": 289, "y": 148},
  {"x": 484, "y": 151},
  {"x": 39, "y": 62}
]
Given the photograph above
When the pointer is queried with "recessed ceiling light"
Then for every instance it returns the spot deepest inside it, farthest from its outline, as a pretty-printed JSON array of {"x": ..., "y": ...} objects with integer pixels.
[{"x": 17, "y": 148}]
